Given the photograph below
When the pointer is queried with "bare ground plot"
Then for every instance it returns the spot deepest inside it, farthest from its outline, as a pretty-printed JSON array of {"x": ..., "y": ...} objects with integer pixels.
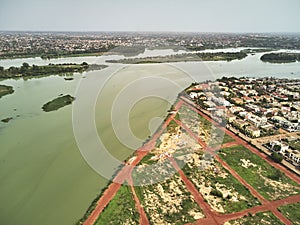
[
  {"x": 292, "y": 212},
  {"x": 263, "y": 218},
  {"x": 169, "y": 202},
  {"x": 120, "y": 210},
  {"x": 270, "y": 182},
  {"x": 218, "y": 187},
  {"x": 174, "y": 142},
  {"x": 204, "y": 129}
]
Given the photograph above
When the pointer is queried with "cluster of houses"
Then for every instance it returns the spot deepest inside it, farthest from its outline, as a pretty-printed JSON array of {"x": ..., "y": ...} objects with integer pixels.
[
  {"x": 284, "y": 149},
  {"x": 254, "y": 106}
]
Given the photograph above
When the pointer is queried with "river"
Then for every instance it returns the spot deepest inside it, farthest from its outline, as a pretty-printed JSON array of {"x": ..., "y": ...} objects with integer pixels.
[{"x": 44, "y": 179}]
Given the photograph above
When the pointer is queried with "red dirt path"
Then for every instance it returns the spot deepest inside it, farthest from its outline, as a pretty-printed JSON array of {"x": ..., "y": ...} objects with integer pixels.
[{"x": 143, "y": 216}]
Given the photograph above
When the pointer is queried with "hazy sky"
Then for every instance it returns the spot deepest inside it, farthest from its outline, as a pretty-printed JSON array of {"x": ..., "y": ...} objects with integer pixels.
[{"x": 151, "y": 15}]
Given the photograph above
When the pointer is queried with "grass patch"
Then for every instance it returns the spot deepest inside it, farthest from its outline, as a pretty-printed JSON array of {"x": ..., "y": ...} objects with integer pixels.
[
  {"x": 267, "y": 180},
  {"x": 261, "y": 218},
  {"x": 177, "y": 117},
  {"x": 147, "y": 159},
  {"x": 120, "y": 210},
  {"x": 295, "y": 144},
  {"x": 228, "y": 139},
  {"x": 58, "y": 103},
  {"x": 291, "y": 212}
]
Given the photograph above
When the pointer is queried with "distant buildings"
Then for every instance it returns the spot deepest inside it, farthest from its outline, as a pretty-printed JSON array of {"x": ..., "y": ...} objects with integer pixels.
[{"x": 254, "y": 106}]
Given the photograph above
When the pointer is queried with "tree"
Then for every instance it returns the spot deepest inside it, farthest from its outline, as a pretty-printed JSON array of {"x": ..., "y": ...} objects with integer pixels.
[
  {"x": 275, "y": 175},
  {"x": 264, "y": 101},
  {"x": 25, "y": 65},
  {"x": 292, "y": 108},
  {"x": 216, "y": 192},
  {"x": 277, "y": 157},
  {"x": 269, "y": 114},
  {"x": 277, "y": 148}
]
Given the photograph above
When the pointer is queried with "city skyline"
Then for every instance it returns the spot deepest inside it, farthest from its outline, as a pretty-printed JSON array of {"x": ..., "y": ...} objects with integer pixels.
[{"x": 159, "y": 16}]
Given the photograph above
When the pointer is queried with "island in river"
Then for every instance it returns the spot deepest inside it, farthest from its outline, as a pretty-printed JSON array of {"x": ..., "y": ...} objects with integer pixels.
[
  {"x": 6, "y": 120},
  {"x": 33, "y": 71},
  {"x": 282, "y": 57},
  {"x": 6, "y": 90},
  {"x": 187, "y": 57},
  {"x": 58, "y": 103}
]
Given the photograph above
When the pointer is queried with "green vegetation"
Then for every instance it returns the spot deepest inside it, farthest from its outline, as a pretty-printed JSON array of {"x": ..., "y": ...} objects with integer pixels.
[
  {"x": 276, "y": 157},
  {"x": 282, "y": 57},
  {"x": 215, "y": 176},
  {"x": 6, "y": 90},
  {"x": 56, "y": 53},
  {"x": 187, "y": 57},
  {"x": 6, "y": 120},
  {"x": 291, "y": 212},
  {"x": 228, "y": 139},
  {"x": 256, "y": 50},
  {"x": 295, "y": 144},
  {"x": 216, "y": 193},
  {"x": 85, "y": 53},
  {"x": 158, "y": 142},
  {"x": 177, "y": 117},
  {"x": 172, "y": 127},
  {"x": 34, "y": 71},
  {"x": 120, "y": 210},
  {"x": 147, "y": 159},
  {"x": 58, "y": 103},
  {"x": 262, "y": 218},
  {"x": 269, "y": 181},
  {"x": 111, "y": 49},
  {"x": 128, "y": 51}
]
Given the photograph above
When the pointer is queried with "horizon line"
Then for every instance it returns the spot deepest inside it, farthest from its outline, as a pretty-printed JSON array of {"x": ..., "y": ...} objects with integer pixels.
[{"x": 152, "y": 31}]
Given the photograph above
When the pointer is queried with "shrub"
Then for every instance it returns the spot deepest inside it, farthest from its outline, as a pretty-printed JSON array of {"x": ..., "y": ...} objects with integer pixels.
[
  {"x": 216, "y": 192},
  {"x": 277, "y": 157}
]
